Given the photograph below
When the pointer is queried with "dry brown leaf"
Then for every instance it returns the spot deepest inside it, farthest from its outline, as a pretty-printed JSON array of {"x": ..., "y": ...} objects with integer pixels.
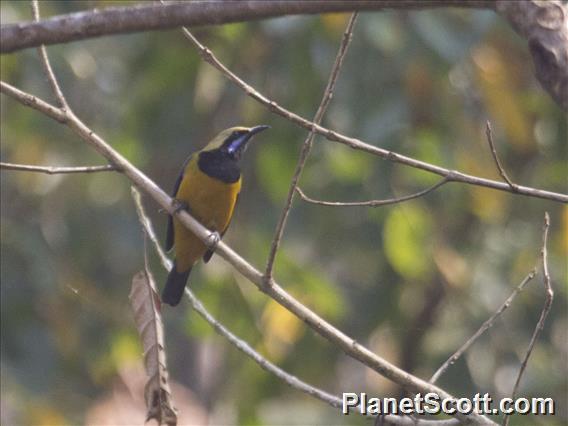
[{"x": 145, "y": 303}]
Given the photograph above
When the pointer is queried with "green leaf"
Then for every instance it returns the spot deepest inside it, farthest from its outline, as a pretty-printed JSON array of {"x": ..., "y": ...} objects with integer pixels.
[{"x": 407, "y": 241}]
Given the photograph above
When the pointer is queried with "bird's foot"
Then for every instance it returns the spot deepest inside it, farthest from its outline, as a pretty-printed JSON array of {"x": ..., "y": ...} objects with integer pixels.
[
  {"x": 212, "y": 240},
  {"x": 179, "y": 205}
]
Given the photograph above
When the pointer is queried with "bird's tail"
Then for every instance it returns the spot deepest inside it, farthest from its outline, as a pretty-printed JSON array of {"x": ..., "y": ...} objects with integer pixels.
[{"x": 175, "y": 284}]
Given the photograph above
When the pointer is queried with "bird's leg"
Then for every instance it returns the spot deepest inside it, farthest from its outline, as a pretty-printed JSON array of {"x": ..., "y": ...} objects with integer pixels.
[
  {"x": 179, "y": 205},
  {"x": 212, "y": 240}
]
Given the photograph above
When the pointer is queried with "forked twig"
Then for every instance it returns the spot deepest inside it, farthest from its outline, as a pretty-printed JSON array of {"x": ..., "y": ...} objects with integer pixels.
[
  {"x": 489, "y": 134},
  {"x": 61, "y": 101},
  {"x": 34, "y": 102},
  {"x": 549, "y": 296},
  {"x": 484, "y": 327},
  {"x": 307, "y": 146},
  {"x": 373, "y": 203}
]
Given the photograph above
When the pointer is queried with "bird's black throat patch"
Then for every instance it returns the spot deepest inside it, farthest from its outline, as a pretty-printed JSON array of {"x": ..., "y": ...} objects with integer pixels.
[{"x": 219, "y": 165}]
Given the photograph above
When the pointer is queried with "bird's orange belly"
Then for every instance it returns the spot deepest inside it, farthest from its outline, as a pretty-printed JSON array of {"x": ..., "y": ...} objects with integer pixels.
[{"x": 211, "y": 202}]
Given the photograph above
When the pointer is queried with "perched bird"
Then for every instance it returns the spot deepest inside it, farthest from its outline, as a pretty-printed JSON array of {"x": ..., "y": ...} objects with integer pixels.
[{"x": 207, "y": 187}]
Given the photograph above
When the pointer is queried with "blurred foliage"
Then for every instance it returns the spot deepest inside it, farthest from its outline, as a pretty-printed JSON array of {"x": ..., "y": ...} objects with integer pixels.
[{"x": 412, "y": 281}]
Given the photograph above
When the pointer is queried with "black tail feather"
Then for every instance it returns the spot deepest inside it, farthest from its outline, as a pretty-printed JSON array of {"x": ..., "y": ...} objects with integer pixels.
[{"x": 175, "y": 284}]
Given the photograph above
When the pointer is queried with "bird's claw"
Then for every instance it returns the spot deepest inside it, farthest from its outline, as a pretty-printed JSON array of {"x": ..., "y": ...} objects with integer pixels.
[
  {"x": 179, "y": 205},
  {"x": 212, "y": 240}
]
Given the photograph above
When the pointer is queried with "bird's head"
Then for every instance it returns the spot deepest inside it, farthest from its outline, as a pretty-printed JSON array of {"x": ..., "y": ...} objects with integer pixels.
[{"x": 233, "y": 141}]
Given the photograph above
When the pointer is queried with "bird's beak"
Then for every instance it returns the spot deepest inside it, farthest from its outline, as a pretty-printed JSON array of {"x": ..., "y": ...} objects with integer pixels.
[
  {"x": 238, "y": 146},
  {"x": 257, "y": 129}
]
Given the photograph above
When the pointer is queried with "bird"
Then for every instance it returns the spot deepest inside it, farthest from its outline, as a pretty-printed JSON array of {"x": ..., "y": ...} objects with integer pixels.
[{"x": 208, "y": 188}]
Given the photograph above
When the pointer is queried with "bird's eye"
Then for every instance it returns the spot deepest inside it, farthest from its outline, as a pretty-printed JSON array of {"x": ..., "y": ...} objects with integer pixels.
[{"x": 236, "y": 135}]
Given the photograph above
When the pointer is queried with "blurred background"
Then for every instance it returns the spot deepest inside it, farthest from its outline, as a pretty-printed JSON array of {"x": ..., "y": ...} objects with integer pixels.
[{"x": 411, "y": 281}]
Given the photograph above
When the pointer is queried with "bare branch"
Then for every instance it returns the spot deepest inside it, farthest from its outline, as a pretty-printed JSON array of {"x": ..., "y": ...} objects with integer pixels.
[
  {"x": 374, "y": 203},
  {"x": 208, "y": 56},
  {"x": 53, "y": 170},
  {"x": 549, "y": 296},
  {"x": 33, "y": 102},
  {"x": 47, "y": 66},
  {"x": 484, "y": 327},
  {"x": 314, "y": 321},
  {"x": 151, "y": 17},
  {"x": 307, "y": 145},
  {"x": 489, "y": 134}
]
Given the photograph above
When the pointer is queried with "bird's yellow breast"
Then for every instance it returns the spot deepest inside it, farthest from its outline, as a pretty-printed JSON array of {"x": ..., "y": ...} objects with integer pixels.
[{"x": 211, "y": 202}]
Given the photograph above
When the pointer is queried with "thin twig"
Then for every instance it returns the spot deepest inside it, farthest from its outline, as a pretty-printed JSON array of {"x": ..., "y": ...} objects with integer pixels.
[
  {"x": 149, "y": 229},
  {"x": 549, "y": 296},
  {"x": 276, "y": 292},
  {"x": 307, "y": 145},
  {"x": 62, "y": 103},
  {"x": 484, "y": 327},
  {"x": 373, "y": 203},
  {"x": 54, "y": 170},
  {"x": 333, "y": 136},
  {"x": 489, "y": 134}
]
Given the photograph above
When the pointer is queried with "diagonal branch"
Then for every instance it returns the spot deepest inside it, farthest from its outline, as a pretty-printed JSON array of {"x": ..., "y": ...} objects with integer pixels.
[
  {"x": 54, "y": 170},
  {"x": 266, "y": 365},
  {"x": 333, "y": 136},
  {"x": 307, "y": 145},
  {"x": 374, "y": 203},
  {"x": 34, "y": 102},
  {"x": 245, "y": 348},
  {"x": 314, "y": 321},
  {"x": 484, "y": 327}
]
